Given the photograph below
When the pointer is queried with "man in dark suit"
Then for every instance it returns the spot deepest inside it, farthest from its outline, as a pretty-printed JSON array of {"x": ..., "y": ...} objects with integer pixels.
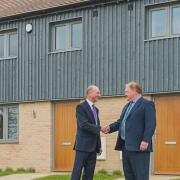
[
  {"x": 136, "y": 127},
  {"x": 88, "y": 143}
]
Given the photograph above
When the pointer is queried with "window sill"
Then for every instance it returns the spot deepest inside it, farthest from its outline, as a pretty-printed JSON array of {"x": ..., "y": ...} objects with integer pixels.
[
  {"x": 67, "y": 50},
  {"x": 9, "y": 142},
  {"x": 162, "y": 38},
  {"x": 8, "y": 58}
]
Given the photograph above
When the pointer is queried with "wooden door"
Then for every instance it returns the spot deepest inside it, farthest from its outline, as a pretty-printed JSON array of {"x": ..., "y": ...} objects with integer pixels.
[
  {"x": 167, "y": 136},
  {"x": 64, "y": 136}
]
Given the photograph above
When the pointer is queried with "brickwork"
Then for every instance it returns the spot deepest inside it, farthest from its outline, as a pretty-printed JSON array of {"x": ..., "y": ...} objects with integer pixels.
[{"x": 34, "y": 147}]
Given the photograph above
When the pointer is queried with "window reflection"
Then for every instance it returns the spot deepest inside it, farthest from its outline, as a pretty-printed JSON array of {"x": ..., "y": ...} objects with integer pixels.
[
  {"x": 158, "y": 23},
  {"x": 176, "y": 20}
]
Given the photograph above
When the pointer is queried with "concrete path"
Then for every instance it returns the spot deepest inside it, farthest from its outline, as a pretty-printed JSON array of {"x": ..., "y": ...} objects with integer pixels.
[
  {"x": 28, "y": 176},
  {"x": 36, "y": 175},
  {"x": 164, "y": 177},
  {"x": 158, "y": 177}
]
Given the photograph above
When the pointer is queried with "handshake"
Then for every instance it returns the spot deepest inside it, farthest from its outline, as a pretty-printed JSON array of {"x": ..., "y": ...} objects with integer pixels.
[{"x": 105, "y": 129}]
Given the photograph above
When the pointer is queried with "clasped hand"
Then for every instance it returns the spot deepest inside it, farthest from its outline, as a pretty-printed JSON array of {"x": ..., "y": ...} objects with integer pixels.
[{"x": 105, "y": 129}]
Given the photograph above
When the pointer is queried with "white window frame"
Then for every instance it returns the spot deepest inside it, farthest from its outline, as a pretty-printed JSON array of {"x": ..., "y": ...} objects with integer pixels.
[
  {"x": 171, "y": 20},
  {"x": 5, "y": 125},
  {"x": 70, "y": 31},
  {"x": 68, "y": 25},
  {"x": 7, "y": 44},
  {"x": 150, "y": 21},
  {"x": 54, "y": 37},
  {"x": 168, "y": 22},
  {"x": 3, "y": 45}
]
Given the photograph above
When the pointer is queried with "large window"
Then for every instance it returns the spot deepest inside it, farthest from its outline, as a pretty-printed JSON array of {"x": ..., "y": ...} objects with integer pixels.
[
  {"x": 8, "y": 45},
  {"x": 8, "y": 124},
  {"x": 66, "y": 36},
  {"x": 164, "y": 21}
]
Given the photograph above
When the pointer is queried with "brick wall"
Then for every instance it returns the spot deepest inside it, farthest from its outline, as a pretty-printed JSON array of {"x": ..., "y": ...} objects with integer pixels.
[{"x": 34, "y": 147}]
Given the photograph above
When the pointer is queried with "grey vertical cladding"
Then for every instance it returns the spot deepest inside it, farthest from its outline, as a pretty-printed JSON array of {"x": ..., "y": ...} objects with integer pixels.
[
  {"x": 162, "y": 61},
  {"x": 162, "y": 64},
  {"x": 113, "y": 53}
]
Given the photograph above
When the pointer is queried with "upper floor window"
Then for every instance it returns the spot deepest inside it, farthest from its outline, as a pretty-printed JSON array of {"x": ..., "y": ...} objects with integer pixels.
[
  {"x": 66, "y": 36},
  {"x": 176, "y": 20},
  {"x": 158, "y": 23},
  {"x": 8, "y": 44},
  {"x": 164, "y": 21},
  {"x": 8, "y": 123}
]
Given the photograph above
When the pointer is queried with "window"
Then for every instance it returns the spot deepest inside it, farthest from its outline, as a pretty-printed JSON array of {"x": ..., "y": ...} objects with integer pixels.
[
  {"x": 158, "y": 23},
  {"x": 8, "y": 45},
  {"x": 8, "y": 123},
  {"x": 176, "y": 20},
  {"x": 76, "y": 35},
  {"x": 60, "y": 39},
  {"x": 1, "y": 123},
  {"x": 66, "y": 36},
  {"x": 164, "y": 21},
  {"x": 1, "y": 46}
]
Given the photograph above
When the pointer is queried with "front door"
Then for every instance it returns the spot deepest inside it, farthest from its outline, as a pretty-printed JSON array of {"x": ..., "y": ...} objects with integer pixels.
[
  {"x": 64, "y": 135},
  {"x": 167, "y": 136}
]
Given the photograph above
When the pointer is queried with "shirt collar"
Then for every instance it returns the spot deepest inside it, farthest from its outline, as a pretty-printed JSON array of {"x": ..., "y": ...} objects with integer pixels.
[
  {"x": 136, "y": 99},
  {"x": 89, "y": 102}
]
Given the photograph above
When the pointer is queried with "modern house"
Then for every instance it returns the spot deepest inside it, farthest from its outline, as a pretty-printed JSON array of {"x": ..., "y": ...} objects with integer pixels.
[{"x": 51, "y": 50}]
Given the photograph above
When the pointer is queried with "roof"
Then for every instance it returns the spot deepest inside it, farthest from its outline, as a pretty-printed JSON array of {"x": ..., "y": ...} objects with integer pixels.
[{"x": 17, "y": 7}]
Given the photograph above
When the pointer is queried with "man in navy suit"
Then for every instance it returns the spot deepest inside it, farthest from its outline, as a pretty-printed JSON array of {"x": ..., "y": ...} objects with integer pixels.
[
  {"x": 88, "y": 143},
  {"x": 136, "y": 127}
]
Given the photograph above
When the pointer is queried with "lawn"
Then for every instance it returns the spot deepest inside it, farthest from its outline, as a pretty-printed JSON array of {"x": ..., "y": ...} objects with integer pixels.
[
  {"x": 98, "y": 176},
  {"x": 9, "y": 171}
]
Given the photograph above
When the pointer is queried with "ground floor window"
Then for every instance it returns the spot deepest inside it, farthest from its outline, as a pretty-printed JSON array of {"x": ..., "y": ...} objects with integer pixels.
[{"x": 9, "y": 123}]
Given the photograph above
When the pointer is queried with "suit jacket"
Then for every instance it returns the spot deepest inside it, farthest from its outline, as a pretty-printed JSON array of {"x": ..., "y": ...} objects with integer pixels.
[
  {"x": 88, "y": 133},
  {"x": 140, "y": 126}
]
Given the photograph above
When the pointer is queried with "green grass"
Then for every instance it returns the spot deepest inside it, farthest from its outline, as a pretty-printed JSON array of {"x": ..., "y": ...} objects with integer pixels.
[
  {"x": 9, "y": 171},
  {"x": 98, "y": 176}
]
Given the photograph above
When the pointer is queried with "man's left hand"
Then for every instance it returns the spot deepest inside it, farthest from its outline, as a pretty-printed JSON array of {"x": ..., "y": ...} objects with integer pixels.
[
  {"x": 143, "y": 146},
  {"x": 100, "y": 152}
]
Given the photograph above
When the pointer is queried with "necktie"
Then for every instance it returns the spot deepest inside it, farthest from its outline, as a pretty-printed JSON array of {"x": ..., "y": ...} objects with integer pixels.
[
  {"x": 94, "y": 113},
  {"x": 124, "y": 119}
]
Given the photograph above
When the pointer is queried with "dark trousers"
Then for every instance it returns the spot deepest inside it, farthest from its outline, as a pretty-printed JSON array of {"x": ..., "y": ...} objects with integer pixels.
[
  {"x": 85, "y": 161},
  {"x": 136, "y": 165}
]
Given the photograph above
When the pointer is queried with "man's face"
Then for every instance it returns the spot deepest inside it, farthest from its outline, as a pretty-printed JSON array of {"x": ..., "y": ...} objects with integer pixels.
[
  {"x": 130, "y": 93},
  {"x": 95, "y": 94}
]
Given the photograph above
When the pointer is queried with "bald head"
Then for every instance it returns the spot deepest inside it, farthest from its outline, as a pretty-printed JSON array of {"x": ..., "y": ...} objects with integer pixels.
[{"x": 93, "y": 93}]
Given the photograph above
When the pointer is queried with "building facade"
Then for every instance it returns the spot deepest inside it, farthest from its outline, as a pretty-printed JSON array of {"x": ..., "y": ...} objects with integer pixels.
[{"x": 51, "y": 52}]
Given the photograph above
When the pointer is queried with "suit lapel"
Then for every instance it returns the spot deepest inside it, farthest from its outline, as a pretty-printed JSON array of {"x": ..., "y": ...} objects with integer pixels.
[
  {"x": 137, "y": 104},
  {"x": 89, "y": 111}
]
